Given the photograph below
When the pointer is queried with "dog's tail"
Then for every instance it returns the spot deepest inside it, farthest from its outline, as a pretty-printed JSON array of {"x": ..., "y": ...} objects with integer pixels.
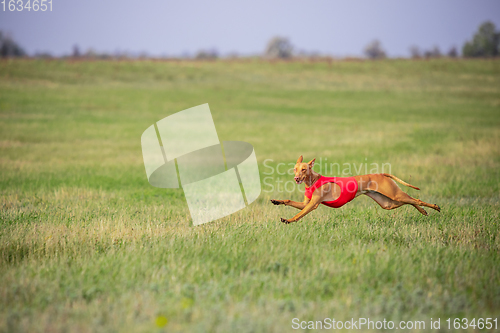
[{"x": 400, "y": 181}]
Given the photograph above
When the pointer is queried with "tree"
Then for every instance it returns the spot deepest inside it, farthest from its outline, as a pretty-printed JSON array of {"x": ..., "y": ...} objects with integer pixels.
[
  {"x": 279, "y": 47},
  {"x": 374, "y": 50},
  {"x": 435, "y": 52},
  {"x": 453, "y": 52},
  {"x": 9, "y": 48},
  {"x": 415, "y": 52},
  {"x": 207, "y": 54},
  {"x": 76, "y": 51},
  {"x": 485, "y": 43}
]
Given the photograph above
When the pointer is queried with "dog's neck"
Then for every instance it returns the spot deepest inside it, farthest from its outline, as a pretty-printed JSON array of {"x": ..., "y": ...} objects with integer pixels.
[{"x": 311, "y": 178}]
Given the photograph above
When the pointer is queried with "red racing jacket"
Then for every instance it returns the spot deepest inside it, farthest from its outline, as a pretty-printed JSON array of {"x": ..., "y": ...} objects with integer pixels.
[{"x": 348, "y": 188}]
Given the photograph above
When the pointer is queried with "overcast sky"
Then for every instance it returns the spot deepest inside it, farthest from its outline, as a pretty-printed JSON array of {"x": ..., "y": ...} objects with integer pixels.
[{"x": 163, "y": 27}]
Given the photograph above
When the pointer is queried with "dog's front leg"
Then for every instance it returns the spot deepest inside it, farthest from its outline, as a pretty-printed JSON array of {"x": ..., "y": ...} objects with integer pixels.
[{"x": 312, "y": 205}]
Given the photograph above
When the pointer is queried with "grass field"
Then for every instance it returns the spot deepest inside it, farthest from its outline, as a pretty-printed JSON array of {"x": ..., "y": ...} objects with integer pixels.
[{"x": 86, "y": 244}]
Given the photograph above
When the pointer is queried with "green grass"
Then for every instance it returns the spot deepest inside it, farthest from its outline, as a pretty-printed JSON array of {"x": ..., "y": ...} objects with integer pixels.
[{"x": 86, "y": 244}]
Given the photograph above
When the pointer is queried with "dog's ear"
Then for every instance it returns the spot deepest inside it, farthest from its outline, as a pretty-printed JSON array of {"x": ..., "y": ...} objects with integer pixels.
[
  {"x": 311, "y": 163},
  {"x": 300, "y": 159}
]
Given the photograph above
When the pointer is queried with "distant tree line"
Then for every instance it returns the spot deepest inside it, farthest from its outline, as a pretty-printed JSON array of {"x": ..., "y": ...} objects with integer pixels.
[
  {"x": 434, "y": 52},
  {"x": 485, "y": 43},
  {"x": 207, "y": 54}
]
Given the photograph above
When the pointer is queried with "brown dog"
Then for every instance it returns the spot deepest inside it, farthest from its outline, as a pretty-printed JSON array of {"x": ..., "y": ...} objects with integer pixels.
[{"x": 336, "y": 191}]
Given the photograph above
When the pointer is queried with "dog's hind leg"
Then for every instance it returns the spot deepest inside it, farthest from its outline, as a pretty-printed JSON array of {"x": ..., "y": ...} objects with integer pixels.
[
  {"x": 423, "y": 203},
  {"x": 420, "y": 209},
  {"x": 384, "y": 201},
  {"x": 387, "y": 203},
  {"x": 403, "y": 197},
  {"x": 390, "y": 189}
]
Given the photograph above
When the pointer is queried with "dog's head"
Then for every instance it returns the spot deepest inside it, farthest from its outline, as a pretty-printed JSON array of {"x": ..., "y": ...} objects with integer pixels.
[{"x": 302, "y": 170}]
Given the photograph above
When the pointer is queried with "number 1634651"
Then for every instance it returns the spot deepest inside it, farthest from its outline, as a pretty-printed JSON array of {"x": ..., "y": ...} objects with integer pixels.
[{"x": 26, "y": 5}]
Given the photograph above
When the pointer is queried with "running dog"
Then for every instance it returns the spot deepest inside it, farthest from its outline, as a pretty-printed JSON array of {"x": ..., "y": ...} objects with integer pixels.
[{"x": 337, "y": 191}]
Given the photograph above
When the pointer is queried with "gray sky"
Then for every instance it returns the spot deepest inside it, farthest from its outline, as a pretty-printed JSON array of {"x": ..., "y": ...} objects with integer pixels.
[{"x": 163, "y": 27}]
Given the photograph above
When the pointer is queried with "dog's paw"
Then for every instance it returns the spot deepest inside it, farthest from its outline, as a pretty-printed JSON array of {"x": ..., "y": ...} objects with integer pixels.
[
  {"x": 277, "y": 202},
  {"x": 285, "y": 221},
  {"x": 438, "y": 208}
]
